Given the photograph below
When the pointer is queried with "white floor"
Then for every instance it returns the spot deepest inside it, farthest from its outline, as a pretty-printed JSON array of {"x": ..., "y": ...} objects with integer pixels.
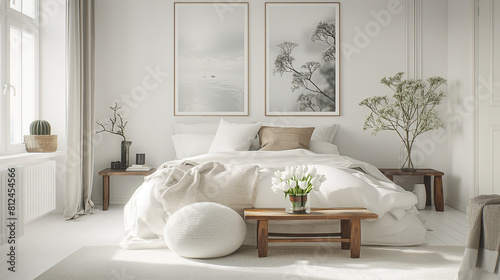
[
  {"x": 50, "y": 239},
  {"x": 445, "y": 228}
]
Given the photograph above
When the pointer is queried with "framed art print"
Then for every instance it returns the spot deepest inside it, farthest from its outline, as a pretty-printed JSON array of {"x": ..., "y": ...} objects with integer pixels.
[
  {"x": 211, "y": 58},
  {"x": 302, "y": 59}
]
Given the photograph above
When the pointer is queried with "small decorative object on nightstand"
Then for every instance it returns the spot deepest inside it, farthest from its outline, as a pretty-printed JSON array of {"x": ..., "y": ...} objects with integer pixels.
[
  {"x": 116, "y": 172},
  {"x": 117, "y": 126},
  {"x": 427, "y": 173},
  {"x": 139, "y": 167},
  {"x": 140, "y": 159},
  {"x": 116, "y": 165},
  {"x": 419, "y": 191}
]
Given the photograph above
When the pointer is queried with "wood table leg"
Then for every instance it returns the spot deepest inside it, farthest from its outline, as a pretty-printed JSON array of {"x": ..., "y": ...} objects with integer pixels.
[
  {"x": 438, "y": 193},
  {"x": 355, "y": 238},
  {"x": 427, "y": 183},
  {"x": 262, "y": 235},
  {"x": 390, "y": 177},
  {"x": 105, "y": 192},
  {"x": 345, "y": 229},
  {"x": 257, "y": 239}
]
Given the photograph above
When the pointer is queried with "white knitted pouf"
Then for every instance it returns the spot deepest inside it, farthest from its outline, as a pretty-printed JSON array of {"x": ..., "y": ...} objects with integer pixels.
[{"x": 204, "y": 230}]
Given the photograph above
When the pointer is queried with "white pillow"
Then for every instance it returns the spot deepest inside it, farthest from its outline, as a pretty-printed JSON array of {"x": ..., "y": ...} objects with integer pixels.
[
  {"x": 197, "y": 128},
  {"x": 188, "y": 145},
  {"x": 324, "y": 133},
  {"x": 321, "y": 147},
  {"x": 234, "y": 137}
]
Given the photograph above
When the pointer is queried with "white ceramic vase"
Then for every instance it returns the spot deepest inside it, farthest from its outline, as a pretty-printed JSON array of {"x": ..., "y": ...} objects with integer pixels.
[{"x": 419, "y": 191}]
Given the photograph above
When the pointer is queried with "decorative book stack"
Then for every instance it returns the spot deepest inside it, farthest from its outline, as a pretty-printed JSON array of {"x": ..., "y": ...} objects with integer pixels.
[{"x": 139, "y": 167}]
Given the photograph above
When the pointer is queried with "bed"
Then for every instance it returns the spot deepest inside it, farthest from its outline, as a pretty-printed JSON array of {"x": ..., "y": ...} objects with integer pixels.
[{"x": 242, "y": 178}]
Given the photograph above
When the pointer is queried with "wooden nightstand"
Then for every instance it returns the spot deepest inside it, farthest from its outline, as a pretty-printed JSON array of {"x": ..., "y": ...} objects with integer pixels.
[
  {"x": 116, "y": 172},
  {"x": 427, "y": 173}
]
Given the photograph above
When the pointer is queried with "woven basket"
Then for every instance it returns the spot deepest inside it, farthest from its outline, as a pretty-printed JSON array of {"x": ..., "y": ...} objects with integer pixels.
[{"x": 40, "y": 143}]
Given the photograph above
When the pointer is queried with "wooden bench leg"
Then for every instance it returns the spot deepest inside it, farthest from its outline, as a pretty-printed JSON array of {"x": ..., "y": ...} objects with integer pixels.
[
  {"x": 355, "y": 238},
  {"x": 427, "y": 183},
  {"x": 105, "y": 192},
  {"x": 262, "y": 235},
  {"x": 345, "y": 229},
  {"x": 438, "y": 193}
]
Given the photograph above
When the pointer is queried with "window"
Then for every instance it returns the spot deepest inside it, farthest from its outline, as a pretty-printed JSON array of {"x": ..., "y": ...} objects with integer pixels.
[
  {"x": 26, "y": 7},
  {"x": 19, "y": 75}
]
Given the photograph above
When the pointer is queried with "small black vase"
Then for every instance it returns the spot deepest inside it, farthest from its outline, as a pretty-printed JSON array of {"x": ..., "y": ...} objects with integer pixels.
[{"x": 125, "y": 153}]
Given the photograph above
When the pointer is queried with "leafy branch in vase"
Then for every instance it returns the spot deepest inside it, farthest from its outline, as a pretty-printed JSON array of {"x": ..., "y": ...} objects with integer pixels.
[
  {"x": 116, "y": 124},
  {"x": 410, "y": 112},
  {"x": 303, "y": 78}
]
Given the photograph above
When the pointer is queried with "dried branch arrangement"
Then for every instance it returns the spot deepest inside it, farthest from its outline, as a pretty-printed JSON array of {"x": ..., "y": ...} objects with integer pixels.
[{"x": 116, "y": 125}]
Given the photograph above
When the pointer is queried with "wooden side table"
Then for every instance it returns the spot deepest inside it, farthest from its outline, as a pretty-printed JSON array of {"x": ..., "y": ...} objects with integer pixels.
[
  {"x": 427, "y": 173},
  {"x": 350, "y": 226},
  {"x": 116, "y": 172}
]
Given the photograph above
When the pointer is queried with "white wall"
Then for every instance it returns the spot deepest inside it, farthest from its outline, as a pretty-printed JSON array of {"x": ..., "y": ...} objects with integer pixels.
[
  {"x": 52, "y": 81},
  {"x": 133, "y": 36},
  {"x": 460, "y": 116}
]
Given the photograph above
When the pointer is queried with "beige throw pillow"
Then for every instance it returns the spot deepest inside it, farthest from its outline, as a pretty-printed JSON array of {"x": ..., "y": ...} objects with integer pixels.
[{"x": 284, "y": 138}]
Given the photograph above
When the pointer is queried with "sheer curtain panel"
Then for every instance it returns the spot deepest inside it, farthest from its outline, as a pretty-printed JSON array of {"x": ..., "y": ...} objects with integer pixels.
[{"x": 80, "y": 107}]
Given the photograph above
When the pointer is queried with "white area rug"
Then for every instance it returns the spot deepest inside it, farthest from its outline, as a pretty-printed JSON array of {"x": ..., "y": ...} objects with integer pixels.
[{"x": 311, "y": 262}]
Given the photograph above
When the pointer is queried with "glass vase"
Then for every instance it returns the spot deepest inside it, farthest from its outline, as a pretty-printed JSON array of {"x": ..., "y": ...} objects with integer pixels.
[
  {"x": 298, "y": 204},
  {"x": 407, "y": 159},
  {"x": 125, "y": 153}
]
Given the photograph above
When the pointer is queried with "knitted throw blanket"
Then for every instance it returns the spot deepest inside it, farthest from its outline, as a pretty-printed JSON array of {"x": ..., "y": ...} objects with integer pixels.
[{"x": 483, "y": 244}]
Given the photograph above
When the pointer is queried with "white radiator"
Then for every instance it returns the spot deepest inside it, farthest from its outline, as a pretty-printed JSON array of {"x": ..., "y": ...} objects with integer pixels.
[
  {"x": 34, "y": 195},
  {"x": 38, "y": 190}
]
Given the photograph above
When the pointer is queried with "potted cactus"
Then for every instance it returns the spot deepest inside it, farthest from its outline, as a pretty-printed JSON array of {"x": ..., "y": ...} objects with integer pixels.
[{"x": 40, "y": 140}]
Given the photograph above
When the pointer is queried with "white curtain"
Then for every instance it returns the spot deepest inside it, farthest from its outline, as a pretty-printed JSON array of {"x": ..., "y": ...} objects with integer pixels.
[{"x": 80, "y": 107}]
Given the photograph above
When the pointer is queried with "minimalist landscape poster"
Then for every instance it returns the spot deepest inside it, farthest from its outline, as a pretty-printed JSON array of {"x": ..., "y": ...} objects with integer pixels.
[
  {"x": 302, "y": 59},
  {"x": 211, "y": 58}
]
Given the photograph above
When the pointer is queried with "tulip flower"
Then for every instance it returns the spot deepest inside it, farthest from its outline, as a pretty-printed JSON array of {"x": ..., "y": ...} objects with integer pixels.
[{"x": 297, "y": 180}]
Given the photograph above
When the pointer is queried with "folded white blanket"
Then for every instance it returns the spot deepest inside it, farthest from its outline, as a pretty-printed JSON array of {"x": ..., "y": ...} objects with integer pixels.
[{"x": 172, "y": 187}]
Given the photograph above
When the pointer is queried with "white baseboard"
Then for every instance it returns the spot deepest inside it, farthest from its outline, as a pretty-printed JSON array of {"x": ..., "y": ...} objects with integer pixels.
[
  {"x": 113, "y": 201},
  {"x": 457, "y": 205},
  {"x": 118, "y": 201}
]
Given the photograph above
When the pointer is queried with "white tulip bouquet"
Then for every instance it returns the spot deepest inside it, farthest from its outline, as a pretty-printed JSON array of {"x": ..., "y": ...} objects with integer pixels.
[{"x": 298, "y": 180}]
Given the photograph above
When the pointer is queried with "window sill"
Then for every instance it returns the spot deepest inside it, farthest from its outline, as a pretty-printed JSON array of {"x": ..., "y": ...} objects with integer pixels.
[{"x": 25, "y": 158}]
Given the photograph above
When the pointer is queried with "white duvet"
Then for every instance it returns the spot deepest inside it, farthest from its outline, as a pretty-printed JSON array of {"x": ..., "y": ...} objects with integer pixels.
[{"x": 349, "y": 183}]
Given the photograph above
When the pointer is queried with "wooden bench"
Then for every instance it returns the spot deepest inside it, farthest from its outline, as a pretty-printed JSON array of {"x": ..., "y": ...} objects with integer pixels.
[{"x": 349, "y": 235}]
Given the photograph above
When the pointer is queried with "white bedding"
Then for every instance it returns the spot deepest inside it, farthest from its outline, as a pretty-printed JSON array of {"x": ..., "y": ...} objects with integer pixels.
[{"x": 349, "y": 183}]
